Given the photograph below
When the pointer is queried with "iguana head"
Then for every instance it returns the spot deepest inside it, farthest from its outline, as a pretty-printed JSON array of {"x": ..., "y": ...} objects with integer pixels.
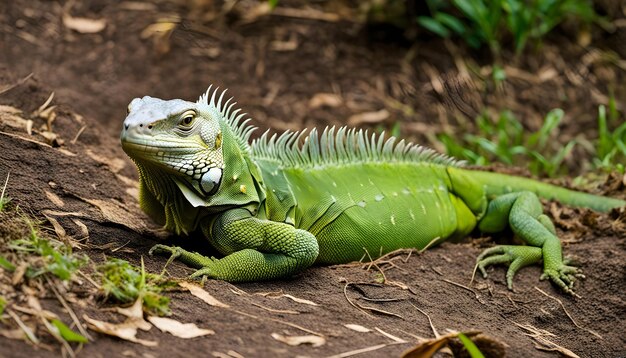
[{"x": 180, "y": 138}]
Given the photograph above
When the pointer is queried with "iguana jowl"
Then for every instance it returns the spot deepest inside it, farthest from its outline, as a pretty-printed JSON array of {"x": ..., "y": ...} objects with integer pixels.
[{"x": 283, "y": 203}]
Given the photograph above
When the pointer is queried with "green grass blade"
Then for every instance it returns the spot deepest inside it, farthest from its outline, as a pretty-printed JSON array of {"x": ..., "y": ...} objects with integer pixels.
[
  {"x": 67, "y": 333},
  {"x": 6, "y": 264},
  {"x": 473, "y": 351}
]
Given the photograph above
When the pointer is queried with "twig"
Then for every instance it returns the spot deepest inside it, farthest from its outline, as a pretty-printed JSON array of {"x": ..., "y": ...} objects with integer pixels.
[
  {"x": 89, "y": 279},
  {"x": 6, "y": 182},
  {"x": 29, "y": 333},
  {"x": 390, "y": 336},
  {"x": 383, "y": 299},
  {"x": 80, "y": 131},
  {"x": 279, "y": 321},
  {"x": 18, "y": 83},
  {"x": 345, "y": 293},
  {"x": 432, "y": 327},
  {"x": 462, "y": 286},
  {"x": 567, "y": 313},
  {"x": 273, "y": 310},
  {"x": 54, "y": 332},
  {"x": 26, "y": 139},
  {"x": 69, "y": 310}
]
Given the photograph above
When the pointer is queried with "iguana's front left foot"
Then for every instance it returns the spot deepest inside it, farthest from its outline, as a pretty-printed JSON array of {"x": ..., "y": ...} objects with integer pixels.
[
  {"x": 520, "y": 256},
  {"x": 194, "y": 259}
]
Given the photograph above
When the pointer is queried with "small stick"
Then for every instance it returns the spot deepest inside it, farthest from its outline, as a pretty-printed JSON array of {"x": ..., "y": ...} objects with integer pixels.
[
  {"x": 567, "y": 313},
  {"x": 432, "y": 327},
  {"x": 459, "y": 285},
  {"x": 69, "y": 310},
  {"x": 29, "y": 333},
  {"x": 18, "y": 83}
]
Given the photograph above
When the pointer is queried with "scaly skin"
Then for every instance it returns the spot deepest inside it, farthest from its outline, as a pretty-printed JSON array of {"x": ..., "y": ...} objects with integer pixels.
[{"x": 277, "y": 206}]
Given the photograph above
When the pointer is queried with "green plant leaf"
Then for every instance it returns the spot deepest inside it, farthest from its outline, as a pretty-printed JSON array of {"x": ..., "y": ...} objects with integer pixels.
[
  {"x": 6, "y": 264},
  {"x": 471, "y": 348},
  {"x": 67, "y": 333},
  {"x": 432, "y": 25},
  {"x": 451, "y": 22}
]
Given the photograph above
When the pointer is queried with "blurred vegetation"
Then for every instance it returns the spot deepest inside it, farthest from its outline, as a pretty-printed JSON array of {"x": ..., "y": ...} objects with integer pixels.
[
  {"x": 504, "y": 139},
  {"x": 496, "y": 22}
]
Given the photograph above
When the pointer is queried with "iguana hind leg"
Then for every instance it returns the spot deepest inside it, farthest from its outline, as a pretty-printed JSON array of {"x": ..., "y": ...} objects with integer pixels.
[
  {"x": 522, "y": 211},
  {"x": 254, "y": 249}
]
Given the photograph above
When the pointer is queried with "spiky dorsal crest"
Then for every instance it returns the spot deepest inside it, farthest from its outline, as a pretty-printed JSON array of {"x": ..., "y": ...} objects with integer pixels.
[
  {"x": 210, "y": 101},
  {"x": 297, "y": 149}
]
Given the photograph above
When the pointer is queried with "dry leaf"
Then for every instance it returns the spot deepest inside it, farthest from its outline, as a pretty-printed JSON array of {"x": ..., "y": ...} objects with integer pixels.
[
  {"x": 54, "y": 198},
  {"x": 358, "y": 328},
  {"x": 325, "y": 99},
  {"x": 126, "y": 330},
  {"x": 368, "y": 117},
  {"x": 202, "y": 294},
  {"x": 84, "y": 25},
  {"x": 115, "y": 164},
  {"x": 315, "y": 341},
  {"x": 429, "y": 347},
  {"x": 181, "y": 330},
  {"x": 58, "y": 229},
  {"x": 115, "y": 212},
  {"x": 158, "y": 29},
  {"x": 10, "y": 116},
  {"x": 84, "y": 231},
  {"x": 135, "y": 315}
]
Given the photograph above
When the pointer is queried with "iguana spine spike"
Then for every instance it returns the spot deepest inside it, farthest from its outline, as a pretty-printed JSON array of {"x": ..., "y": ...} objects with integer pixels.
[{"x": 345, "y": 145}]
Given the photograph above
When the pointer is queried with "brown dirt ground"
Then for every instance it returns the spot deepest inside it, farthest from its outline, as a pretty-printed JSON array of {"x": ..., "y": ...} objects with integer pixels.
[{"x": 275, "y": 65}]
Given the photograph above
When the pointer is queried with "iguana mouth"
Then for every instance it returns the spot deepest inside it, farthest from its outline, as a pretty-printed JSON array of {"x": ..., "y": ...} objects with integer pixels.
[{"x": 163, "y": 147}]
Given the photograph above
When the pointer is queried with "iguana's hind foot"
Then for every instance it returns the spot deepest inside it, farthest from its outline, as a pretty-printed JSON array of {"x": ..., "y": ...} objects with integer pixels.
[
  {"x": 523, "y": 213},
  {"x": 517, "y": 257},
  {"x": 514, "y": 256}
]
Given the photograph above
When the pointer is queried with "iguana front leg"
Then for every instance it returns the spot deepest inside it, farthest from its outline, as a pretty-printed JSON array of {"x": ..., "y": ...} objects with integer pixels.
[
  {"x": 522, "y": 211},
  {"x": 254, "y": 249}
]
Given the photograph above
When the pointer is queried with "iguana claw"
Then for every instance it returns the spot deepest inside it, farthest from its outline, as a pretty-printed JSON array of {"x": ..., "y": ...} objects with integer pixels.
[{"x": 517, "y": 257}]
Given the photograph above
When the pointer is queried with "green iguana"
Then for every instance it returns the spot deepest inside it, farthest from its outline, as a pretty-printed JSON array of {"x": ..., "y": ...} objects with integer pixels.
[{"x": 286, "y": 202}]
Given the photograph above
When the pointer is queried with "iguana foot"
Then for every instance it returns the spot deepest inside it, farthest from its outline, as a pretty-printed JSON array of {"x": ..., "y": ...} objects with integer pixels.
[
  {"x": 517, "y": 257},
  {"x": 194, "y": 259},
  {"x": 563, "y": 276}
]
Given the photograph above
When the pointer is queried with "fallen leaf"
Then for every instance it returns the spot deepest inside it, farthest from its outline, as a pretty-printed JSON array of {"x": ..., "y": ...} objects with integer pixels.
[
  {"x": 358, "y": 328},
  {"x": 84, "y": 231},
  {"x": 368, "y": 117},
  {"x": 126, "y": 330},
  {"x": 135, "y": 315},
  {"x": 158, "y": 28},
  {"x": 115, "y": 212},
  {"x": 55, "y": 199},
  {"x": 427, "y": 348},
  {"x": 202, "y": 294},
  {"x": 58, "y": 229},
  {"x": 115, "y": 164},
  {"x": 325, "y": 99},
  {"x": 315, "y": 341},
  {"x": 178, "y": 329},
  {"x": 84, "y": 25}
]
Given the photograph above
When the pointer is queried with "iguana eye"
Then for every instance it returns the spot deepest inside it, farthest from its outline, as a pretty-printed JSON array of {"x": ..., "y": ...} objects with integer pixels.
[{"x": 187, "y": 119}]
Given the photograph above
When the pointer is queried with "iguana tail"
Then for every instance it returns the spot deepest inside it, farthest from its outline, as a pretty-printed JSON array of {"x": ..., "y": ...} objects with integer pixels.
[{"x": 497, "y": 184}]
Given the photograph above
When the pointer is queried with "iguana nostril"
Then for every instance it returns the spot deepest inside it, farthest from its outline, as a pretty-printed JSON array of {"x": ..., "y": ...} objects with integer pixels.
[
  {"x": 126, "y": 126},
  {"x": 141, "y": 125}
]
